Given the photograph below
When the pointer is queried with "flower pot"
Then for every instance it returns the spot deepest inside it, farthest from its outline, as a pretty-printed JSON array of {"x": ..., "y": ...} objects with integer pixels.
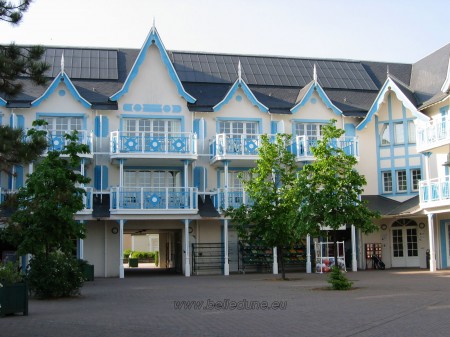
[
  {"x": 14, "y": 298},
  {"x": 133, "y": 262}
]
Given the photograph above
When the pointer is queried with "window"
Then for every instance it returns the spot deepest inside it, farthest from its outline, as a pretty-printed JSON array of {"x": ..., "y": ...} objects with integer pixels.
[
  {"x": 158, "y": 127},
  {"x": 238, "y": 127},
  {"x": 385, "y": 134},
  {"x": 387, "y": 182},
  {"x": 61, "y": 125},
  {"x": 411, "y": 132},
  {"x": 402, "y": 183},
  {"x": 312, "y": 130},
  {"x": 399, "y": 134},
  {"x": 415, "y": 178},
  {"x": 155, "y": 179}
]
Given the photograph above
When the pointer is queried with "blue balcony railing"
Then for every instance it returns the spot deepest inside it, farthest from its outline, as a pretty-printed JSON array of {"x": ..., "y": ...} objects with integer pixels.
[
  {"x": 150, "y": 198},
  {"x": 434, "y": 190},
  {"x": 230, "y": 144},
  {"x": 57, "y": 141},
  {"x": 231, "y": 197},
  {"x": 153, "y": 143},
  {"x": 303, "y": 144}
]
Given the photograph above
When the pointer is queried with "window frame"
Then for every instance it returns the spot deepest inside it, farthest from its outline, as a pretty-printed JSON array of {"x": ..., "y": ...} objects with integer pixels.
[
  {"x": 402, "y": 179},
  {"x": 387, "y": 175}
]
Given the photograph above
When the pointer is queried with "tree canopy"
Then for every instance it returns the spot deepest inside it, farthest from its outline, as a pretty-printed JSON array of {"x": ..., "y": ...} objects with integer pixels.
[
  {"x": 16, "y": 61},
  {"x": 270, "y": 218}
]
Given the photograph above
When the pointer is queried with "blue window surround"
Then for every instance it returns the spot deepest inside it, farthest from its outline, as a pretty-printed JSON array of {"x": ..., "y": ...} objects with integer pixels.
[
  {"x": 105, "y": 126},
  {"x": 61, "y": 77},
  {"x": 387, "y": 87},
  {"x": 153, "y": 38},
  {"x": 196, "y": 127},
  {"x": 240, "y": 84},
  {"x": 238, "y": 119},
  {"x": 323, "y": 96},
  {"x": 124, "y": 116},
  {"x": 40, "y": 115},
  {"x": 391, "y": 156}
]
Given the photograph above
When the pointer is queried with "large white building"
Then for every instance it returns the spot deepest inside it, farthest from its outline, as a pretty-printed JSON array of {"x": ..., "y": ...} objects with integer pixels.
[{"x": 169, "y": 132}]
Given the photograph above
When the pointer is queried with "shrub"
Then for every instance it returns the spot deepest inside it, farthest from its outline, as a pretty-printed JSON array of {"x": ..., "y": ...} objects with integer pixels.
[
  {"x": 55, "y": 275},
  {"x": 9, "y": 274},
  {"x": 126, "y": 253},
  {"x": 156, "y": 258},
  {"x": 338, "y": 280}
]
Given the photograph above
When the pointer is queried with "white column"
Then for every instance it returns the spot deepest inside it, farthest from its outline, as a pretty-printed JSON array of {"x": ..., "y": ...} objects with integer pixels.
[
  {"x": 275, "y": 261},
  {"x": 30, "y": 168},
  {"x": 186, "y": 175},
  {"x": 225, "y": 183},
  {"x": 13, "y": 178},
  {"x": 226, "y": 265},
  {"x": 121, "y": 174},
  {"x": 121, "y": 270},
  {"x": 187, "y": 266},
  {"x": 308, "y": 254},
  {"x": 354, "y": 262},
  {"x": 81, "y": 246},
  {"x": 432, "y": 246},
  {"x": 132, "y": 242}
]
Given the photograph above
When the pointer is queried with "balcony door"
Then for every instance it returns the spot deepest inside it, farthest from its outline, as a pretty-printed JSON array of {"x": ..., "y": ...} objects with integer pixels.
[{"x": 405, "y": 251}]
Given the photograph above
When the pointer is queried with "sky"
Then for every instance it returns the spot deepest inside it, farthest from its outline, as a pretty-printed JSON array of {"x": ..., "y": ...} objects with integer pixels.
[{"x": 401, "y": 31}]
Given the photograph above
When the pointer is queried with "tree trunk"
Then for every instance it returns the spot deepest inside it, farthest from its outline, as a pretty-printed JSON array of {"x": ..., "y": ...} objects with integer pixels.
[
  {"x": 281, "y": 262},
  {"x": 336, "y": 252}
]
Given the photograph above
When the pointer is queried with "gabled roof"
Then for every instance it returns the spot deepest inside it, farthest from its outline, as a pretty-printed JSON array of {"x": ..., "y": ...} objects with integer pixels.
[
  {"x": 390, "y": 85},
  {"x": 61, "y": 78},
  {"x": 153, "y": 38},
  {"x": 390, "y": 207},
  {"x": 306, "y": 93},
  {"x": 240, "y": 84}
]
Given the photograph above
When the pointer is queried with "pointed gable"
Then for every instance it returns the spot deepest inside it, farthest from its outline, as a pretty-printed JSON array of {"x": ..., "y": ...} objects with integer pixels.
[
  {"x": 153, "y": 38},
  {"x": 399, "y": 90},
  {"x": 240, "y": 84},
  {"x": 62, "y": 77},
  {"x": 305, "y": 94}
]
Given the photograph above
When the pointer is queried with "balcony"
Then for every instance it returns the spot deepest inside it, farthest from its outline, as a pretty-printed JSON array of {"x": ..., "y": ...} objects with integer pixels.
[
  {"x": 435, "y": 193},
  {"x": 145, "y": 145},
  {"x": 231, "y": 197},
  {"x": 433, "y": 135},
  {"x": 153, "y": 200},
  {"x": 242, "y": 149},
  {"x": 57, "y": 141},
  {"x": 87, "y": 201},
  {"x": 303, "y": 144}
]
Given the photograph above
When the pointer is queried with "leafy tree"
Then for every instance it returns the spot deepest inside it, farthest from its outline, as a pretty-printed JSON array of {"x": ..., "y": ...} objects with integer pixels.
[
  {"x": 271, "y": 218},
  {"x": 331, "y": 189},
  {"x": 19, "y": 61},
  {"x": 18, "y": 147},
  {"x": 43, "y": 221}
]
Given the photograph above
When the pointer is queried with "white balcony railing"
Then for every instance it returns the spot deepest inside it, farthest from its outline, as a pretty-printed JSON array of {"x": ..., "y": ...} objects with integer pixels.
[
  {"x": 434, "y": 190},
  {"x": 433, "y": 133},
  {"x": 231, "y": 197},
  {"x": 153, "y": 198},
  {"x": 153, "y": 143},
  {"x": 232, "y": 144},
  {"x": 303, "y": 144},
  {"x": 88, "y": 199},
  {"x": 57, "y": 141}
]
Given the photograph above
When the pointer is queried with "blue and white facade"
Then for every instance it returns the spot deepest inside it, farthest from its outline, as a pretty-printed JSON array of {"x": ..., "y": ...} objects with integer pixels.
[{"x": 170, "y": 131}]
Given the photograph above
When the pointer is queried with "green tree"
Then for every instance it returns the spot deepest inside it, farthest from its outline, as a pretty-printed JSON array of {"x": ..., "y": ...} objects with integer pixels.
[
  {"x": 271, "y": 217},
  {"x": 18, "y": 61},
  {"x": 44, "y": 220},
  {"x": 331, "y": 188}
]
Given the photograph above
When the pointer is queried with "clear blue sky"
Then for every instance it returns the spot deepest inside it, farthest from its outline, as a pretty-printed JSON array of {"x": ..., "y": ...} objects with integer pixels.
[{"x": 379, "y": 30}]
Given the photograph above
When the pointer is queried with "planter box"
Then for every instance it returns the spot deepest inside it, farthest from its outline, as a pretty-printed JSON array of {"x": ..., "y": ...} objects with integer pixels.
[
  {"x": 133, "y": 262},
  {"x": 88, "y": 272},
  {"x": 14, "y": 298}
]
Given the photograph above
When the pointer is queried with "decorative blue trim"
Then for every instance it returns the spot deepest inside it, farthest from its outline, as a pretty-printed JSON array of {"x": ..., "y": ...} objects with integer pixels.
[
  {"x": 248, "y": 93},
  {"x": 2, "y": 102},
  {"x": 387, "y": 86},
  {"x": 325, "y": 99},
  {"x": 61, "y": 77},
  {"x": 153, "y": 38},
  {"x": 443, "y": 244}
]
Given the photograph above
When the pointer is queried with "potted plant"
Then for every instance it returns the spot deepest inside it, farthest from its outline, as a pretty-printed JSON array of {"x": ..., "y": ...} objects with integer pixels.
[{"x": 13, "y": 290}]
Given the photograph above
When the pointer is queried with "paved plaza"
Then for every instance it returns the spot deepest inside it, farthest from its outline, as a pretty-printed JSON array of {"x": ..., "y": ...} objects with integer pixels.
[{"x": 383, "y": 303}]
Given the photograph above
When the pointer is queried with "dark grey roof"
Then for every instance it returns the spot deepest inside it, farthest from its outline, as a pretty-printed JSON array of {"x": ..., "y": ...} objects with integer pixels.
[
  {"x": 440, "y": 96},
  {"x": 378, "y": 71},
  {"x": 82, "y": 63},
  {"x": 379, "y": 203},
  {"x": 406, "y": 90},
  {"x": 409, "y": 206},
  {"x": 271, "y": 71},
  {"x": 428, "y": 74}
]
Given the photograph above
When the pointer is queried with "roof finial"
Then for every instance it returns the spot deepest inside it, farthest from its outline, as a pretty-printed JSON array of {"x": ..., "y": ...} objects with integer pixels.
[
  {"x": 239, "y": 70},
  {"x": 154, "y": 24},
  {"x": 62, "y": 63},
  {"x": 315, "y": 73}
]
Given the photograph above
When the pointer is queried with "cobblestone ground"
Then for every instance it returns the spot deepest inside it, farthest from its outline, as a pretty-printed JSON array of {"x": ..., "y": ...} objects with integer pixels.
[{"x": 383, "y": 303}]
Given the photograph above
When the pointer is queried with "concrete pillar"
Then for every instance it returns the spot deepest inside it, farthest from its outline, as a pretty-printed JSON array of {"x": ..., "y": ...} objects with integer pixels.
[
  {"x": 308, "y": 254},
  {"x": 226, "y": 265},
  {"x": 275, "y": 261},
  {"x": 121, "y": 270},
  {"x": 354, "y": 261},
  {"x": 432, "y": 244}
]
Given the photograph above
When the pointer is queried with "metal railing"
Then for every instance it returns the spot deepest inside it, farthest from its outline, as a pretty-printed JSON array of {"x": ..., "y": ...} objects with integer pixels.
[
  {"x": 437, "y": 189},
  {"x": 57, "y": 141},
  {"x": 152, "y": 142},
  {"x": 235, "y": 144},
  {"x": 152, "y": 198},
  {"x": 231, "y": 197},
  {"x": 433, "y": 133},
  {"x": 303, "y": 144}
]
